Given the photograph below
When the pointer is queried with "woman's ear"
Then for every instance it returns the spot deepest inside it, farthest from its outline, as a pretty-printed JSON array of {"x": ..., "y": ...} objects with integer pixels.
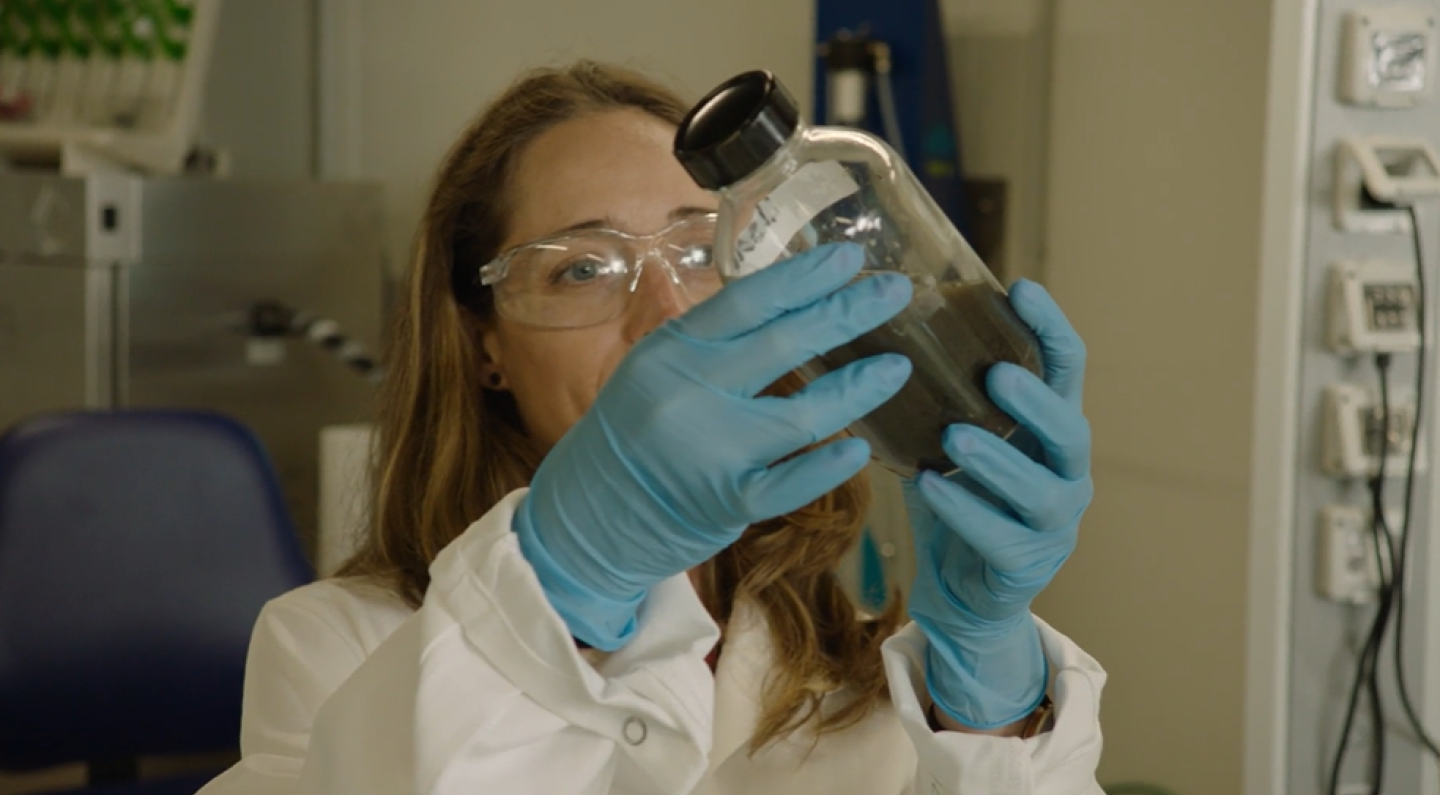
[{"x": 492, "y": 364}]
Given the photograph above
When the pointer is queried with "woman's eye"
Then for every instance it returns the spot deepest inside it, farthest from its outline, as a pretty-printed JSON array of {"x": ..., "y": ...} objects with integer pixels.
[{"x": 578, "y": 271}]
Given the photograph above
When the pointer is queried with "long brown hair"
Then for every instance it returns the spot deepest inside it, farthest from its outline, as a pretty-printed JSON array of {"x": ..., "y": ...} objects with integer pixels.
[{"x": 449, "y": 448}]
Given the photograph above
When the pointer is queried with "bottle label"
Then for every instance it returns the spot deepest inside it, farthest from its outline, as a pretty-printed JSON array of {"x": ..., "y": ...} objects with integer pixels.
[{"x": 788, "y": 208}]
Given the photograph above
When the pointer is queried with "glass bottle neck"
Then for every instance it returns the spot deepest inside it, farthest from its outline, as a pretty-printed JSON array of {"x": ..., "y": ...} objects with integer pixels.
[{"x": 781, "y": 165}]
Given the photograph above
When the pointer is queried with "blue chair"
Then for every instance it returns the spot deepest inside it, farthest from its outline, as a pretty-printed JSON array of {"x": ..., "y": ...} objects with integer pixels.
[{"x": 136, "y": 550}]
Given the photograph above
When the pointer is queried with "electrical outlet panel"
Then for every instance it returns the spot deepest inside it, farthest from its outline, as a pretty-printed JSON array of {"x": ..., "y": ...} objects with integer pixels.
[
  {"x": 1349, "y": 568},
  {"x": 1373, "y": 308},
  {"x": 1376, "y": 176},
  {"x": 1365, "y": 113},
  {"x": 1353, "y": 433}
]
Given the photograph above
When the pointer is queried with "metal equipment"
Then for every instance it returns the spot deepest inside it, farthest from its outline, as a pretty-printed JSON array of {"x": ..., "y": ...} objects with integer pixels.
[{"x": 126, "y": 291}]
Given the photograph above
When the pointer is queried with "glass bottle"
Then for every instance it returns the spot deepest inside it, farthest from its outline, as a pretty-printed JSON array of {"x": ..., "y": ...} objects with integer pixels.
[{"x": 785, "y": 187}]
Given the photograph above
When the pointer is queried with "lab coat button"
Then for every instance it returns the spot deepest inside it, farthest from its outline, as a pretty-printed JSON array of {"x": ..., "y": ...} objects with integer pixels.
[{"x": 635, "y": 731}]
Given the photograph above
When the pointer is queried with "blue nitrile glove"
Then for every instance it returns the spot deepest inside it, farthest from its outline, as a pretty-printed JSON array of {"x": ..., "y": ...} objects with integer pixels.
[
  {"x": 673, "y": 460},
  {"x": 990, "y": 538}
]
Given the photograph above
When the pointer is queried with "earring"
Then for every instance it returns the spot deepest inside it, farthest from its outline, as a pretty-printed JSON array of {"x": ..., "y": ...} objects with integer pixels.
[{"x": 494, "y": 380}]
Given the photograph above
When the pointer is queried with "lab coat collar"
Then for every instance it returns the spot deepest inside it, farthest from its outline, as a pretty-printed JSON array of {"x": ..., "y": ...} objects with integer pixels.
[{"x": 745, "y": 662}]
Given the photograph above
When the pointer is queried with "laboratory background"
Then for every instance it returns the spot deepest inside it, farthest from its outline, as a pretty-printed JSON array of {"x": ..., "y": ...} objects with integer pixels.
[{"x": 206, "y": 205}]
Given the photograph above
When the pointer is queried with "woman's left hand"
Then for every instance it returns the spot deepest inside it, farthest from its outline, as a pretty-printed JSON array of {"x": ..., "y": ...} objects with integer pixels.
[{"x": 991, "y": 538}]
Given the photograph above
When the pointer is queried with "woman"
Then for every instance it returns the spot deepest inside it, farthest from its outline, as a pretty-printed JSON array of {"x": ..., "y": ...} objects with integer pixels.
[{"x": 657, "y": 611}]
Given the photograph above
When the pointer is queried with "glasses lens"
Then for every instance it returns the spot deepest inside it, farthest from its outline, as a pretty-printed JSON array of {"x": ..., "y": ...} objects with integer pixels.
[
  {"x": 690, "y": 250},
  {"x": 586, "y": 278},
  {"x": 565, "y": 284}
]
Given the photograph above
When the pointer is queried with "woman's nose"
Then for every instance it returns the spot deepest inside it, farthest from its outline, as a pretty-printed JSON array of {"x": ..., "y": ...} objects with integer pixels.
[{"x": 658, "y": 296}]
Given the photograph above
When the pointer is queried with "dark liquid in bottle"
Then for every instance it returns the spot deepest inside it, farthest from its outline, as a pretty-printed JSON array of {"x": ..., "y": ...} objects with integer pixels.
[{"x": 953, "y": 335}]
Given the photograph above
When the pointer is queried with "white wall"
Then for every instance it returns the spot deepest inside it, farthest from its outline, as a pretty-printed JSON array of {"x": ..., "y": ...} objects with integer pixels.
[
  {"x": 402, "y": 79},
  {"x": 1131, "y": 134},
  {"x": 1154, "y": 230},
  {"x": 259, "y": 96}
]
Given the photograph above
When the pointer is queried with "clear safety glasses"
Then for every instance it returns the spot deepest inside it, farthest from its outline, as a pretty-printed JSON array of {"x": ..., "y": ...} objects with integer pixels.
[{"x": 580, "y": 279}]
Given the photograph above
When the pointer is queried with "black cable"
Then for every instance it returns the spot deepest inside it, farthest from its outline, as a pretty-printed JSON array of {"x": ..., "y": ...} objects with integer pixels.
[
  {"x": 1367, "y": 682},
  {"x": 1384, "y": 547},
  {"x": 1351, "y": 710},
  {"x": 1392, "y": 560},
  {"x": 1367, "y": 667},
  {"x": 1406, "y": 702}
]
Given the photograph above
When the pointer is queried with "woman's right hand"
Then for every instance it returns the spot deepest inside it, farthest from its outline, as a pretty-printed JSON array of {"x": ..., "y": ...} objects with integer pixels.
[{"x": 678, "y": 454}]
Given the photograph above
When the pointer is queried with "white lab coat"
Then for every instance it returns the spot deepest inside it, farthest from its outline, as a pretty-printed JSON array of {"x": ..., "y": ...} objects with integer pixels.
[{"x": 483, "y": 691}]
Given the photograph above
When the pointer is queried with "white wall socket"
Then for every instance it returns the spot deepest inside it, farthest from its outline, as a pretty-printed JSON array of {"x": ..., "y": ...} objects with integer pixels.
[
  {"x": 1373, "y": 308},
  {"x": 1351, "y": 434},
  {"x": 1349, "y": 570},
  {"x": 1389, "y": 56}
]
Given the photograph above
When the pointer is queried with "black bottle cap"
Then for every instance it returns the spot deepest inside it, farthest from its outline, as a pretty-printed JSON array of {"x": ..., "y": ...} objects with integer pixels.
[{"x": 735, "y": 129}]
